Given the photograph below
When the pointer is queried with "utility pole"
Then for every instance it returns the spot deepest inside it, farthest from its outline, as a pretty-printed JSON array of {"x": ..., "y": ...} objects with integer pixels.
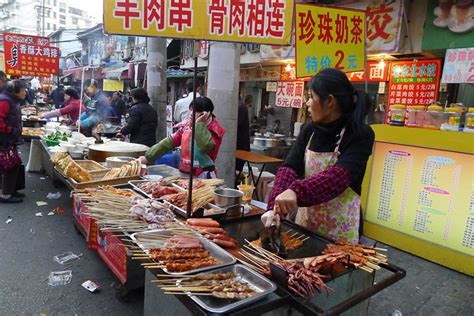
[
  {"x": 156, "y": 81},
  {"x": 223, "y": 90}
]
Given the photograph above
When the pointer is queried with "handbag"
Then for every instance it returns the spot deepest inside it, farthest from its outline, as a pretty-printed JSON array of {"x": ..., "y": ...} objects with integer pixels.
[{"x": 9, "y": 158}]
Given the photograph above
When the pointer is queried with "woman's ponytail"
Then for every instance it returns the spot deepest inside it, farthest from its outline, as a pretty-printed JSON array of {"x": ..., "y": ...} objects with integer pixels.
[{"x": 361, "y": 108}]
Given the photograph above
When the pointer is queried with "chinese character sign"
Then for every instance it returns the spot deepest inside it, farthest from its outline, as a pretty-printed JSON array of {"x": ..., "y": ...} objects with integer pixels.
[
  {"x": 2, "y": 61},
  {"x": 329, "y": 38},
  {"x": 459, "y": 66},
  {"x": 289, "y": 94},
  {"x": 414, "y": 83},
  {"x": 375, "y": 72},
  {"x": 250, "y": 21},
  {"x": 27, "y": 55}
]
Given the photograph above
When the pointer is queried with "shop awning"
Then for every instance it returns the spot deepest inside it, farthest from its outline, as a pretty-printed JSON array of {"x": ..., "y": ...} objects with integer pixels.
[{"x": 116, "y": 73}]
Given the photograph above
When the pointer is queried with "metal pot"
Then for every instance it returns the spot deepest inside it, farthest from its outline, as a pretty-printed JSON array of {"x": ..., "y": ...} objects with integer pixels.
[
  {"x": 227, "y": 197},
  {"x": 289, "y": 141},
  {"x": 258, "y": 141}
]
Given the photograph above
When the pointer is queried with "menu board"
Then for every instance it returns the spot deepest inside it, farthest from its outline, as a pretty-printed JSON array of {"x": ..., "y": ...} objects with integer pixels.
[{"x": 425, "y": 193}]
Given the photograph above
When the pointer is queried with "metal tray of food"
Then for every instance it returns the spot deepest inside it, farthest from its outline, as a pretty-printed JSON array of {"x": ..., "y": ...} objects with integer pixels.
[
  {"x": 135, "y": 187},
  {"x": 215, "y": 251},
  {"x": 261, "y": 285},
  {"x": 209, "y": 210}
]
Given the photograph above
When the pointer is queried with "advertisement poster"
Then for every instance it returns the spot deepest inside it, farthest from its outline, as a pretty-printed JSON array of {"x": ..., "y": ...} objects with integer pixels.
[
  {"x": 449, "y": 24},
  {"x": 329, "y": 38},
  {"x": 413, "y": 83},
  {"x": 375, "y": 72},
  {"x": 425, "y": 193},
  {"x": 27, "y": 55},
  {"x": 290, "y": 94},
  {"x": 263, "y": 22},
  {"x": 458, "y": 66},
  {"x": 384, "y": 20}
]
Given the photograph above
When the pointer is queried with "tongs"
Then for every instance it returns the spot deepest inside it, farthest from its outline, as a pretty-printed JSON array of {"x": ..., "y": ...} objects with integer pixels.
[{"x": 271, "y": 239}]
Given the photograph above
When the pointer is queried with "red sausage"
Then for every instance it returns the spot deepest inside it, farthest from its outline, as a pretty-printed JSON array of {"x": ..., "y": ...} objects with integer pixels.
[
  {"x": 210, "y": 230},
  {"x": 202, "y": 222},
  {"x": 224, "y": 243},
  {"x": 223, "y": 237}
]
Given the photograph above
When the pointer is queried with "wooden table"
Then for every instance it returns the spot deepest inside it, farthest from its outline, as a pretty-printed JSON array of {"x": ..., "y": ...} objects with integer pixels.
[{"x": 251, "y": 157}]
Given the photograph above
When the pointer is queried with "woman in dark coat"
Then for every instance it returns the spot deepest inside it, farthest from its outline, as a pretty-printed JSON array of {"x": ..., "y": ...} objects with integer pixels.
[
  {"x": 11, "y": 171},
  {"x": 142, "y": 122}
]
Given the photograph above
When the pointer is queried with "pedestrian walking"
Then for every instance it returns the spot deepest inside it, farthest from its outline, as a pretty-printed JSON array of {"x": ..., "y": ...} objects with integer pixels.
[{"x": 12, "y": 171}]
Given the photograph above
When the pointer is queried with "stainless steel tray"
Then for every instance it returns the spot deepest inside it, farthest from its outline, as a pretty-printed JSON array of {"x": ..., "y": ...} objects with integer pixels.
[
  {"x": 135, "y": 187},
  {"x": 222, "y": 256},
  {"x": 261, "y": 285},
  {"x": 209, "y": 209}
]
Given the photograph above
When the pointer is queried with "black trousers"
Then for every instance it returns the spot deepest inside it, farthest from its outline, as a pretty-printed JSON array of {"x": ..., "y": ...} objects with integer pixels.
[{"x": 13, "y": 180}]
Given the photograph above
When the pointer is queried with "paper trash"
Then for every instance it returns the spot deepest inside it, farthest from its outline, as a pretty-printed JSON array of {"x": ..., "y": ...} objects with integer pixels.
[{"x": 90, "y": 286}]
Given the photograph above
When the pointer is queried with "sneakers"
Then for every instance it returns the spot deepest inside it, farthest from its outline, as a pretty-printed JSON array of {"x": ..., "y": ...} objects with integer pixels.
[{"x": 11, "y": 199}]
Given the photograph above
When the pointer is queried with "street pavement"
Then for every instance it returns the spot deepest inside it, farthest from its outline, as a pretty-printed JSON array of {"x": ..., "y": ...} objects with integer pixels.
[{"x": 29, "y": 243}]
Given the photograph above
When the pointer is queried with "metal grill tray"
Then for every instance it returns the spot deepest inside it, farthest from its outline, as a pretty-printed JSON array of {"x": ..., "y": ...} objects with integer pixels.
[
  {"x": 210, "y": 209},
  {"x": 215, "y": 251},
  {"x": 261, "y": 285}
]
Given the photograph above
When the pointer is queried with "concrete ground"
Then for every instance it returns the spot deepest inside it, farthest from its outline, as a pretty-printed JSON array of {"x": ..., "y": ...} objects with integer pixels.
[{"x": 29, "y": 243}]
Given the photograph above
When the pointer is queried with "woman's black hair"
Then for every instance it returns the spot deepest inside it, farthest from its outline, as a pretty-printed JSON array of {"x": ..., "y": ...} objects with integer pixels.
[
  {"x": 202, "y": 104},
  {"x": 72, "y": 93},
  {"x": 15, "y": 86},
  {"x": 354, "y": 104},
  {"x": 140, "y": 95}
]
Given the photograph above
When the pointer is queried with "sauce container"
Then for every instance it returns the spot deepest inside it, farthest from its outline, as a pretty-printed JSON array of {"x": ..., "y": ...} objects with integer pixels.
[
  {"x": 434, "y": 117},
  {"x": 453, "y": 119},
  {"x": 415, "y": 116},
  {"x": 469, "y": 124},
  {"x": 397, "y": 115}
]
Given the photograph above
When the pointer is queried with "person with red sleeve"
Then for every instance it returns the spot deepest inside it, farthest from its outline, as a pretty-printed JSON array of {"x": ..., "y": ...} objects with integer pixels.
[
  {"x": 72, "y": 107},
  {"x": 208, "y": 139},
  {"x": 319, "y": 184},
  {"x": 11, "y": 173}
]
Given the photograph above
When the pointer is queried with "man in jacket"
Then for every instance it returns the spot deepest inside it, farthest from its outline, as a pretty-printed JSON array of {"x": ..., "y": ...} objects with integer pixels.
[{"x": 142, "y": 122}]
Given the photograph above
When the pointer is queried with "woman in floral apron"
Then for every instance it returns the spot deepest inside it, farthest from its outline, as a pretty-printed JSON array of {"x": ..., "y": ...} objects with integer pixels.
[
  {"x": 322, "y": 175},
  {"x": 207, "y": 141}
]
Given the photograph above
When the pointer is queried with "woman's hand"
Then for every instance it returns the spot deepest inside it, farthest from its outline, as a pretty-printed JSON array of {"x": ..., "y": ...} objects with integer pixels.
[
  {"x": 285, "y": 203},
  {"x": 143, "y": 159},
  {"x": 203, "y": 117}
]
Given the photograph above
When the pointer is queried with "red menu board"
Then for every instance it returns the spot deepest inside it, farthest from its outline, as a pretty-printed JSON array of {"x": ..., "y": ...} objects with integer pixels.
[
  {"x": 27, "y": 55},
  {"x": 413, "y": 82}
]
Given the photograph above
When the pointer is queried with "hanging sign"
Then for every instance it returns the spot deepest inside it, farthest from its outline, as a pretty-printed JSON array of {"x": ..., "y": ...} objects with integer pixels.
[
  {"x": 375, "y": 72},
  {"x": 384, "y": 21},
  {"x": 329, "y": 38},
  {"x": 414, "y": 83},
  {"x": 271, "y": 73},
  {"x": 254, "y": 21},
  {"x": 290, "y": 94},
  {"x": 459, "y": 66},
  {"x": 2, "y": 61},
  {"x": 27, "y": 55}
]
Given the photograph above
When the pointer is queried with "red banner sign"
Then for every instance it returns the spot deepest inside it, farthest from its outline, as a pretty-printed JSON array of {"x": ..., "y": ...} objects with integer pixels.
[
  {"x": 414, "y": 83},
  {"x": 376, "y": 73},
  {"x": 27, "y": 55}
]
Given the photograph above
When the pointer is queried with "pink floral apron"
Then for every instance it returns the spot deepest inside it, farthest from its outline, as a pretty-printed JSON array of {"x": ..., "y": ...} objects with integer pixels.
[{"x": 338, "y": 218}]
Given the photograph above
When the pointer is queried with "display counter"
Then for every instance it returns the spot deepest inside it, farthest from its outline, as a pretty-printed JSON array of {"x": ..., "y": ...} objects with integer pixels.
[{"x": 418, "y": 194}]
